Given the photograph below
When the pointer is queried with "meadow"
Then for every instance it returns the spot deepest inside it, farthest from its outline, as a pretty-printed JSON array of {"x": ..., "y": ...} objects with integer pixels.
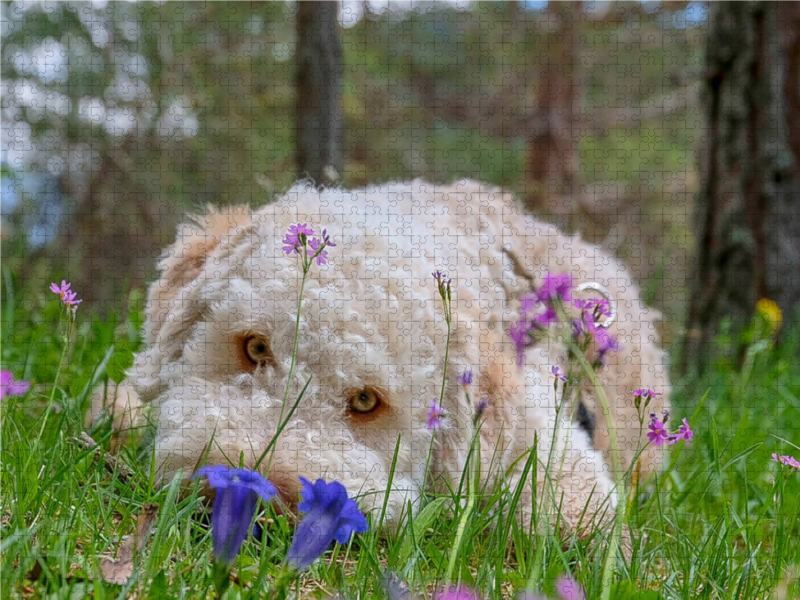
[{"x": 720, "y": 522}]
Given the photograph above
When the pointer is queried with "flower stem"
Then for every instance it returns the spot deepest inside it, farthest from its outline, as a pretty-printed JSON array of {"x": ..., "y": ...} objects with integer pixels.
[
  {"x": 283, "y": 583},
  {"x": 65, "y": 335},
  {"x": 548, "y": 491},
  {"x": 306, "y": 266},
  {"x": 441, "y": 394},
  {"x": 473, "y": 483},
  {"x": 613, "y": 545},
  {"x": 222, "y": 578},
  {"x": 446, "y": 360}
]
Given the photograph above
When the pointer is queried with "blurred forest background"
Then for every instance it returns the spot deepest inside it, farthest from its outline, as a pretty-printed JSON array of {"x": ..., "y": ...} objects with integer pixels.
[{"x": 119, "y": 118}]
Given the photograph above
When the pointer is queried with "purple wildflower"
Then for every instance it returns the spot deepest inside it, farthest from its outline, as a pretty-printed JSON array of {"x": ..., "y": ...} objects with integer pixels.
[
  {"x": 658, "y": 433},
  {"x": 569, "y": 589},
  {"x": 481, "y": 407},
  {"x": 594, "y": 306},
  {"x": 9, "y": 387},
  {"x": 314, "y": 244},
  {"x": 684, "y": 432},
  {"x": 70, "y": 301},
  {"x": 577, "y": 329},
  {"x": 465, "y": 378},
  {"x": 544, "y": 319},
  {"x": 66, "y": 294},
  {"x": 558, "y": 374},
  {"x": 60, "y": 290},
  {"x": 556, "y": 287},
  {"x": 605, "y": 343},
  {"x": 330, "y": 515},
  {"x": 441, "y": 279},
  {"x": 327, "y": 239},
  {"x": 238, "y": 491},
  {"x": 295, "y": 237},
  {"x": 457, "y": 593},
  {"x": 435, "y": 413},
  {"x": 519, "y": 335},
  {"x": 645, "y": 392},
  {"x": 789, "y": 461},
  {"x": 527, "y": 302}
]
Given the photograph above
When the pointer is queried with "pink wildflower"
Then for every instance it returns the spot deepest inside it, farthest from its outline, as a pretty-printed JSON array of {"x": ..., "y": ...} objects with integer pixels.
[
  {"x": 789, "y": 461},
  {"x": 327, "y": 239},
  {"x": 645, "y": 392},
  {"x": 544, "y": 319},
  {"x": 569, "y": 589},
  {"x": 322, "y": 257},
  {"x": 70, "y": 301},
  {"x": 294, "y": 237},
  {"x": 558, "y": 374},
  {"x": 596, "y": 307},
  {"x": 60, "y": 290},
  {"x": 605, "y": 343},
  {"x": 527, "y": 302},
  {"x": 66, "y": 294},
  {"x": 658, "y": 432},
  {"x": 519, "y": 335},
  {"x": 556, "y": 287},
  {"x": 684, "y": 432},
  {"x": 465, "y": 378},
  {"x": 457, "y": 593},
  {"x": 435, "y": 413},
  {"x": 9, "y": 387}
]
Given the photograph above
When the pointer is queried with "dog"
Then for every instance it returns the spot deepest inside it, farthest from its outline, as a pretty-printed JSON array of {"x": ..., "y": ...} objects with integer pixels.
[{"x": 220, "y": 331}]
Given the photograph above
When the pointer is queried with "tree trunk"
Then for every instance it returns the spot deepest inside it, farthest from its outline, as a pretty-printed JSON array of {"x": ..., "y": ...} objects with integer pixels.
[
  {"x": 551, "y": 137},
  {"x": 748, "y": 208},
  {"x": 320, "y": 119}
]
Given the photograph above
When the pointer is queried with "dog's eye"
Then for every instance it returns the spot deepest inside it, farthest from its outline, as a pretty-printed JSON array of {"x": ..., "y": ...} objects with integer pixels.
[
  {"x": 364, "y": 400},
  {"x": 256, "y": 347}
]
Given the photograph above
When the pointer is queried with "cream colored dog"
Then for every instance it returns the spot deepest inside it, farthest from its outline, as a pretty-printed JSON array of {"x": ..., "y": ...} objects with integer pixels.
[{"x": 220, "y": 327}]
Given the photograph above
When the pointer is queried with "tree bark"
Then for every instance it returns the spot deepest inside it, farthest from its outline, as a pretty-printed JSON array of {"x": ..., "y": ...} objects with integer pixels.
[
  {"x": 748, "y": 208},
  {"x": 551, "y": 136},
  {"x": 320, "y": 118}
]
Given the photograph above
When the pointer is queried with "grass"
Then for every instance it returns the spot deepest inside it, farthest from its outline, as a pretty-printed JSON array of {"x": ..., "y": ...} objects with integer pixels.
[{"x": 720, "y": 522}]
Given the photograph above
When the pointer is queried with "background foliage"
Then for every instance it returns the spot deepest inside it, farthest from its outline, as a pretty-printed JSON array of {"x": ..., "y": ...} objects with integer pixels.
[{"x": 120, "y": 117}]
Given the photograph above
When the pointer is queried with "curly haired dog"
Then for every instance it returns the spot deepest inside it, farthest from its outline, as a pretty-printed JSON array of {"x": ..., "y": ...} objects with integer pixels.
[{"x": 220, "y": 327}]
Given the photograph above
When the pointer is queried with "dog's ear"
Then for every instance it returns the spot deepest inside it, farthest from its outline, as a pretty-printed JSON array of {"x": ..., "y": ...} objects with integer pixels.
[
  {"x": 169, "y": 312},
  {"x": 183, "y": 261}
]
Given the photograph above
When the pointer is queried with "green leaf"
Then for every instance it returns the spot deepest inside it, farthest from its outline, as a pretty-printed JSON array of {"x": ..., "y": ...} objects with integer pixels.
[
  {"x": 627, "y": 590},
  {"x": 159, "y": 586},
  {"x": 122, "y": 360},
  {"x": 418, "y": 527}
]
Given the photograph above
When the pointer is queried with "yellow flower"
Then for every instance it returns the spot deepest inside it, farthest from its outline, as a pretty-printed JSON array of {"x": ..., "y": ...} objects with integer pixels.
[{"x": 771, "y": 312}]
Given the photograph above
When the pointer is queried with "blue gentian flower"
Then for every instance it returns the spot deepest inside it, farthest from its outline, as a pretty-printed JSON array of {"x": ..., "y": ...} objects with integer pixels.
[
  {"x": 238, "y": 491},
  {"x": 330, "y": 515}
]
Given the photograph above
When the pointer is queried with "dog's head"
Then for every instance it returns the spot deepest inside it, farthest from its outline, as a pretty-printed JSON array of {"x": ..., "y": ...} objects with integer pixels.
[{"x": 370, "y": 347}]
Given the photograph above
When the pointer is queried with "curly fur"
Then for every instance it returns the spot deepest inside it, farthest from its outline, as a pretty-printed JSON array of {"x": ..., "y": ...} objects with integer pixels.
[{"x": 372, "y": 316}]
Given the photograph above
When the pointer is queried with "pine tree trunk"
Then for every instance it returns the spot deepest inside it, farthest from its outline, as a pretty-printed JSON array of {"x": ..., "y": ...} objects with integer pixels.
[
  {"x": 320, "y": 119},
  {"x": 551, "y": 136},
  {"x": 748, "y": 208}
]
